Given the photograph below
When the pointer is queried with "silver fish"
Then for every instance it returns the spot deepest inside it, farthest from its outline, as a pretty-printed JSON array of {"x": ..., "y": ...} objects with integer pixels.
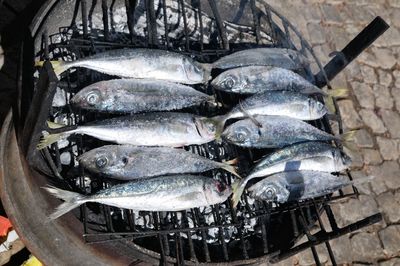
[
  {"x": 138, "y": 95},
  {"x": 276, "y": 132},
  {"x": 258, "y": 79},
  {"x": 141, "y": 63},
  {"x": 298, "y": 185},
  {"x": 277, "y": 57},
  {"x": 164, "y": 193},
  {"x": 313, "y": 156},
  {"x": 127, "y": 162},
  {"x": 148, "y": 129},
  {"x": 284, "y": 103}
]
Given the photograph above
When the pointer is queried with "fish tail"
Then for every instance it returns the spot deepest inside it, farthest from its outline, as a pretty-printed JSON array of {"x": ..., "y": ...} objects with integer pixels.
[
  {"x": 58, "y": 66},
  {"x": 48, "y": 139},
  {"x": 237, "y": 188},
  {"x": 330, "y": 105},
  {"x": 347, "y": 139},
  {"x": 339, "y": 93},
  {"x": 360, "y": 181},
  {"x": 71, "y": 201},
  {"x": 219, "y": 122},
  {"x": 229, "y": 166}
]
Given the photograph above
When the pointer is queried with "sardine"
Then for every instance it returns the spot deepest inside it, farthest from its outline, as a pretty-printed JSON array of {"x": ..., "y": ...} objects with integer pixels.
[
  {"x": 284, "y": 103},
  {"x": 141, "y": 63},
  {"x": 258, "y": 79},
  {"x": 148, "y": 129},
  {"x": 313, "y": 156},
  {"x": 276, "y": 132},
  {"x": 299, "y": 185},
  {"x": 276, "y": 57},
  {"x": 164, "y": 193},
  {"x": 138, "y": 95},
  {"x": 127, "y": 162}
]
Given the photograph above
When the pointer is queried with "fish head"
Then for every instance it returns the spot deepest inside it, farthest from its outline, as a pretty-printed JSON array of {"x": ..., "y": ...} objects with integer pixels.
[
  {"x": 208, "y": 128},
  {"x": 242, "y": 133},
  {"x": 216, "y": 191},
  {"x": 194, "y": 71},
  {"x": 317, "y": 108},
  {"x": 228, "y": 81},
  {"x": 342, "y": 160},
  {"x": 91, "y": 97},
  {"x": 271, "y": 191},
  {"x": 103, "y": 160}
]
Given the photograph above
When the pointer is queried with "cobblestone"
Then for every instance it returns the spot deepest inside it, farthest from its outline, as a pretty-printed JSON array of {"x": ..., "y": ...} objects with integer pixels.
[
  {"x": 368, "y": 74},
  {"x": 373, "y": 121},
  {"x": 388, "y": 148},
  {"x": 391, "y": 262},
  {"x": 350, "y": 117},
  {"x": 390, "y": 238},
  {"x": 342, "y": 249},
  {"x": 371, "y": 157},
  {"x": 384, "y": 58},
  {"x": 389, "y": 206},
  {"x": 383, "y": 98},
  {"x": 366, "y": 247},
  {"x": 392, "y": 121},
  {"x": 363, "y": 139},
  {"x": 364, "y": 95}
]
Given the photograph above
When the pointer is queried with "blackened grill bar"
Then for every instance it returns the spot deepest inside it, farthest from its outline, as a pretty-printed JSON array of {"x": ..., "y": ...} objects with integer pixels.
[{"x": 260, "y": 230}]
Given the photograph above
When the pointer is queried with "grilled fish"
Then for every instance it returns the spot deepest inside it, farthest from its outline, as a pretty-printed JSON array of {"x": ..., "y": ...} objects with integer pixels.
[
  {"x": 276, "y": 132},
  {"x": 148, "y": 129},
  {"x": 164, "y": 193},
  {"x": 141, "y": 63},
  {"x": 313, "y": 156},
  {"x": 276, "y": 57},
  {"x": 284, "y": 103},
  {"x": 299, "y": 185},
  {"x": 127, "y": 162},
  {"x": 258, "y": 79},
  {"x": 137, "y": 95}
]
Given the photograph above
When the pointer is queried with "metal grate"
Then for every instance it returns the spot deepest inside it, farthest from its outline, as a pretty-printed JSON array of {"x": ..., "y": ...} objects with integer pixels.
[{"x": 252, "y": 232}]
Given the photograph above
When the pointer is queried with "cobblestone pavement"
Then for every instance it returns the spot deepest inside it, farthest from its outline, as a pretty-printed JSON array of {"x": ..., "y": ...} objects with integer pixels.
[{"x": 373, "y": 108}]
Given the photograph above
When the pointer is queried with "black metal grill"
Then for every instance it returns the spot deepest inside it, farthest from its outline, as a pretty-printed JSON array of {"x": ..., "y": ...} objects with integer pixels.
[{"x": 251, "y": 233}]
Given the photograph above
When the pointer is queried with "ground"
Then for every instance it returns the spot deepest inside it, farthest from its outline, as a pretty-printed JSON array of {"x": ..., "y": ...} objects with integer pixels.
[{"x": 373, "y": 109}]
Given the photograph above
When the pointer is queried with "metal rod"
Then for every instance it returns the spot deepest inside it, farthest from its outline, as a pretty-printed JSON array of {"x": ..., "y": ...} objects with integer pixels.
[
  {"x": 354, "y": 48},
  {"x": 185, "y": 25},
  {"x": 166, "y": 27},
  {"x": 104, "y": 8},
  {"x": 220, "y": 24},
  {"x": 84, "y": 18}
]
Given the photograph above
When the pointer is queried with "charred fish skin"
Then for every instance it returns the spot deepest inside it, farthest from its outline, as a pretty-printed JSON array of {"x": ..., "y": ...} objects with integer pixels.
[
  {"x": 127, "y": 162},
  {"x": 143, "y": 63},
  {"x": 148, "y": 129},
  {"x": 315, "y": 156},
  {"x": 164, "y": 193},
  {"x": 258, "y": 79},
  {"x": 283, "y": 103},
  {"x": 297, "y": 185},
  {"x": 137, "y": 95},
  {"x": 276, "y": 132},
  {"x": 277, "y": 57}
]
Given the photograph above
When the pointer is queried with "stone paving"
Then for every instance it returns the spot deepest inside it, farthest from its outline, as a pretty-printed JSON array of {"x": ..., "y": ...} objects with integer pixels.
[{"x": 372, "y": 109}]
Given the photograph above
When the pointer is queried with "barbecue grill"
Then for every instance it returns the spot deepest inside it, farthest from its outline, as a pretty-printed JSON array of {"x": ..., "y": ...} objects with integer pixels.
[{"x": 254, "y": 232}]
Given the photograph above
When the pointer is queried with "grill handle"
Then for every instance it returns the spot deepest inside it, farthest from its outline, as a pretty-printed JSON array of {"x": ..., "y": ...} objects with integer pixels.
[{"x": 354, "y": 48}]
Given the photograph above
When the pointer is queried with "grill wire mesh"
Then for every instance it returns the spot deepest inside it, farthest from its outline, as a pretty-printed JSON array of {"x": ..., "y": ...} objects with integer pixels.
[{"x": 217, "y": 233}]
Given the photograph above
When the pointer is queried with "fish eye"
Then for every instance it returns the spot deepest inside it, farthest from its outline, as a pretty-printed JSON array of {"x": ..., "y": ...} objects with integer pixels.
[
  {"x": 124, "y": 160},
  {"x": 270, "y": 193},
  {"x": 229, "y": 82},
  {"x": 101, "y": 162},
  {"x": 92, "y": 98},
  {"x": 242, "y": 134}
]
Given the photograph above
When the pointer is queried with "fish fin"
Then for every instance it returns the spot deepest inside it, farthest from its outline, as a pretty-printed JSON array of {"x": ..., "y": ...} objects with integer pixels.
[
  {"x": 48, "y": 139},
  {"x": 237, "y": 188},
  {"x": 72, "y": 200},
  {"x": 247, "y": 114},
  {"x": 339, "y": 93},
  {"x": 314, "y": 90},
  {"x": 347, "y": 139},
  {"x": 330, "y": 105},
  {"x": 231, "y": 169},
  {"x": 58, "y": 66},
  {"x": 232, "y": 162},
  {"x": 219, "y": 122},
  {"x": 53, "y": 125}
]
